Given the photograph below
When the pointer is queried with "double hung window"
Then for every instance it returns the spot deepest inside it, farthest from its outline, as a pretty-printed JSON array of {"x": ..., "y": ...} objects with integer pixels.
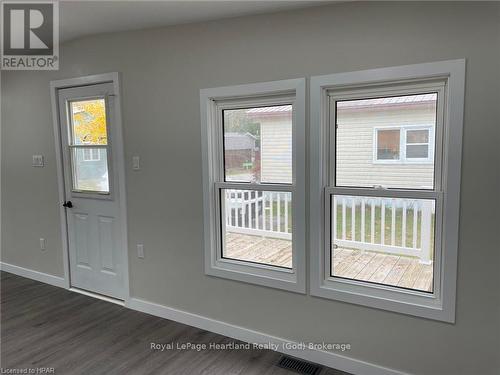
[
  {"x": 385, "y": 169},
  {"x": 254, "y": 183}
]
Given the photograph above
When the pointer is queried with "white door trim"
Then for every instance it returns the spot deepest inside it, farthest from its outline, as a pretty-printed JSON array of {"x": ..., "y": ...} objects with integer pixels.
[{"x": 113, "y": 78}]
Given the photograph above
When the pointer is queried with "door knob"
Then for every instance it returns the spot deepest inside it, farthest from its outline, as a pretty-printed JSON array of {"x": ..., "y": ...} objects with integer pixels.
[{"x": 68, "y": 204}]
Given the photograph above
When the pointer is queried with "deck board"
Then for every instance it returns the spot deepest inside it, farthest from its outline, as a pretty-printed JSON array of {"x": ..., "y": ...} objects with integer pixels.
[
  {"x": 411, "y": 275},
  {"x": 370, "y": 266},
  {"x": 384, "y": 269},
  {"x": 397, "y": 271},
  {"x": 359, "y": 264}
]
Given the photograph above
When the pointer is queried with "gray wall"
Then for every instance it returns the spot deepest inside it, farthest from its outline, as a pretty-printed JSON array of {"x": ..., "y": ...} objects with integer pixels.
[{"x": 163, "y": 70}]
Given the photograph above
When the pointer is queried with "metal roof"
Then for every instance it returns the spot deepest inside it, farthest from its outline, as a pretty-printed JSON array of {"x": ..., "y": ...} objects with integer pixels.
[
  {"x": 357, "y": 103},
  {"x": 395, "y": 100},
  {"x": 267, "y": 110}
]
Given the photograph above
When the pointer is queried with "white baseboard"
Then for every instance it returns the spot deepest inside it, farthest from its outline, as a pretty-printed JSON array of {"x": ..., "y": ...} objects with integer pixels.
[
  {"x": 35, "y": 275},
  {"x": 326, "y": 358}
]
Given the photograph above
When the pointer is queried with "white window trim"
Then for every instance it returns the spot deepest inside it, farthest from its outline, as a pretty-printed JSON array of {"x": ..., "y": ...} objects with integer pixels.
[
  {"x": 440, "y": 305},
  {"x": 293, "y": 91},
  {"x": 403, "y": 129}
]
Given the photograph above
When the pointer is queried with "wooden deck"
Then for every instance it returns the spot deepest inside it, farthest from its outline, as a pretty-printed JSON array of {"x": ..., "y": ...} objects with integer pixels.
[{"x": 370, "y": 266}]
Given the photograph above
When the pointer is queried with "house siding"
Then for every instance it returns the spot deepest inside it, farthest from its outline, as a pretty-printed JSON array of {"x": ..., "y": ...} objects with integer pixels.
[
  {"x": 355, "y": 145},
  {"x": 276, "y": 150}
]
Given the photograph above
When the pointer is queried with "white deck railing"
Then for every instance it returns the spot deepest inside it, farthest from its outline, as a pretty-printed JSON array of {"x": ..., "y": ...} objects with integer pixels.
[
  {"x": 407, "y": 232},
  {"x": 262, "y": 213}
]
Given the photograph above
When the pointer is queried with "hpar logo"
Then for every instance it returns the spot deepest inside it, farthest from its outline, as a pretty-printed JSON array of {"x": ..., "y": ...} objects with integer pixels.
[{"x": 30, "y": 35}]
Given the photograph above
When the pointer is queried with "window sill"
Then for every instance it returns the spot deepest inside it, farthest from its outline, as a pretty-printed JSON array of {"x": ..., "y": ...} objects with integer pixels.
[
  {"x": 410, "y": 302},
  {"x": 264, "y": 275}
]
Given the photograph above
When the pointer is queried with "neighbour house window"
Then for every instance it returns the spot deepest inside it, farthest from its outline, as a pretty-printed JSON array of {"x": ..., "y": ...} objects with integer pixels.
[
  {"x": 254, "y": 176},
  {"x": 418, "y": 145},
  {"x": 389, "y": 208},
  {"x": 387, "y": 143},
  {"x": 91, "y": 154},
  {"x": 403, "y": 144}
]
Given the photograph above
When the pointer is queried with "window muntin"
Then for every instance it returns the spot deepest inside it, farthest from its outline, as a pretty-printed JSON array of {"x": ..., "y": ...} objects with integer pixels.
[
  {"x": 258, "y": 144},
  {"x": 383, "y": 240},
  {"x": 89, "y": 148},
  {"x": 257, "y": 226}
]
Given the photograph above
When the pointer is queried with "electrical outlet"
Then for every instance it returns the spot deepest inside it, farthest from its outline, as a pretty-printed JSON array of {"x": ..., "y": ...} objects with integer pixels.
[
  {"x": 42, "y": 244},
  {"x": 140, "y": 251},
  {"x": 37, "y": 161}
]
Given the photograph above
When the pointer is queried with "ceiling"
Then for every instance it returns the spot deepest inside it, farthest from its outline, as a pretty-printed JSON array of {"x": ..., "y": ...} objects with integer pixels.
[{"x": 81, "y": 18}]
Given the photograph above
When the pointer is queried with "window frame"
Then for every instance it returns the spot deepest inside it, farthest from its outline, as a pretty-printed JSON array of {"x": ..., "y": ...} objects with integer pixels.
[
  {"x": 212, "y": 103},
  {"x": 440, "y": 304}
]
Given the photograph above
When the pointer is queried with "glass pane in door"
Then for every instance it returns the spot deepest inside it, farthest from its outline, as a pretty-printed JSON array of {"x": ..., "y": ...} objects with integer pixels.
[
  {"x": 90, "y": 169},
  {"x": 88, "y": 127},
  {"x": 88, "y": 122}
]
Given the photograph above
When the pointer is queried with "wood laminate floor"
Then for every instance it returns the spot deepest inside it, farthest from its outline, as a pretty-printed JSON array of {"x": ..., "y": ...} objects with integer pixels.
[{"x": 50, "y": 327}]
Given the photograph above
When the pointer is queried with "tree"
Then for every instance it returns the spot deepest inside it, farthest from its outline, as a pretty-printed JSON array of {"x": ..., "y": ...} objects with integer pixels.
[
  {"x": 89, "y": 120},
  {"x": 238, "y": 121}
]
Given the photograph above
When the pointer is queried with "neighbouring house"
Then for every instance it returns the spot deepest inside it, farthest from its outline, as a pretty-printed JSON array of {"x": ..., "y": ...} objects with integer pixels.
[
  {"x": 275, "y": 142},
  {"x": 240, "y": 149},
  {"x": 397, "y": 146},
  {"x": 386, "y": 141},
  {"x": 381, "y": 141}
]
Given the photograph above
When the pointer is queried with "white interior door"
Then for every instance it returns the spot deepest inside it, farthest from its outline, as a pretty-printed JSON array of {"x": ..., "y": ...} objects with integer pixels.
[{"x": 92, "y": 189}]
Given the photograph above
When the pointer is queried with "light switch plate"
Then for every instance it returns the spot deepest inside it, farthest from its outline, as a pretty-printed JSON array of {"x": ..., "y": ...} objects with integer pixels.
[
  {"x": 140, "y": 251},
  {"x": 136, "y": 163},
  {"x": 37, "y": 161}
]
